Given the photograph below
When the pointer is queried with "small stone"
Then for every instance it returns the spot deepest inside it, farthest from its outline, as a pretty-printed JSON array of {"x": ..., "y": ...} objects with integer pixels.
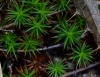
[
  {"x": 71, "y": 66},
  {"x": 56, "y": 58}
]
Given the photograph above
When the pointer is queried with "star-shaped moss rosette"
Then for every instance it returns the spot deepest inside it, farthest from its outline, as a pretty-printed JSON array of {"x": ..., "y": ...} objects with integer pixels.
[
  {"x": 56, "y": 68},
  {"x": 62, "y": 4},
  {"x": 82, "y": 55},
  {"x": 69, "y": 34},
  {"x": 18, "y": 14},
  {"x": 36, "y": 27},
  {"x": 80, "y": 22},
  {"x": 37, "y": 63},
  {"x": 9, "y": 42},
  {"x": 42, "y": 10},
  {"x": 29, "y": 44}
]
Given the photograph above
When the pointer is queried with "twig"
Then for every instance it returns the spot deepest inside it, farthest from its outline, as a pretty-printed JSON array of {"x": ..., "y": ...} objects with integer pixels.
[
  {"x": 81, "y": 69},
  {"x": 39, "y": 49},
  {"x": 6, "y": 26},
  {"x": 76, "y": 13},
  {"x": 7, "y": 30},
  {"x": 50, "y": 47},
  {"x": 55, "y": 12}
]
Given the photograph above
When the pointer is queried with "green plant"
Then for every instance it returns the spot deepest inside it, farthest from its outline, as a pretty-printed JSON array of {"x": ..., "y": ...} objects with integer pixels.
[
  {"x": 18, "y": 14},
  {"x": 26, "y": 73},
  {"x": 56, "y": 68},
  {"x": 69, "y": 34},
  {"x": 82, "y": 55},
  {"x": 32, "y": 3},
  {"x": 10, "y": 42},
  {"x": 29, "y": 44},
  {"x": 62, "y": 4},
  {"x": 42, "y": 10},
  {"x": 3, "y": 68},
  {"x": 36, "y": 27},
  {"x": 80, "y": 22}
]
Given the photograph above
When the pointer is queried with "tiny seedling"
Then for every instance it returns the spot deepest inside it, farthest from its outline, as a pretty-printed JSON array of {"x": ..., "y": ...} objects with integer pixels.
[
  {"x": 56, "y": 68},
  {"x": 82, "y": 55}
]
